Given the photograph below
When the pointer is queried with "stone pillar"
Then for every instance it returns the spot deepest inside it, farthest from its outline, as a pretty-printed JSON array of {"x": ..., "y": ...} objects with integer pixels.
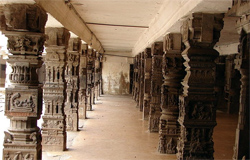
[
  {"x": 147, "y": 82},
  {"x": 100, "y": 75},
  {"x": 90, "y": 60},
  {"x": 93, "y": 85},
  {"x": 97, "y": 76},
  {"x": 135, "y": 81},
  {"x": 138, "y": 80},
  {"x": 23, "y": 24},
  {"x": 156, "y": 82},
  {"x": 232, "y": 85},
  {"x": 173, "y": 72},
  {"x": 241, "y": 148},
  {"x": 197, "y": 103},
  {"x": 83, "y": 83},
  {"x": 54, "y": 125},
  {"x": 141, "y": 91},
  {"x": 72, "y": 81}
]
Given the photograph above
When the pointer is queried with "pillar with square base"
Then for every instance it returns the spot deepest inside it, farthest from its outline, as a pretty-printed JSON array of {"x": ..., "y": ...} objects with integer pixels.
[
  {"x": 156, "y": 82},
  {"x": 23, "y": 24},
  {"x": 197, "y": 104},
  {"x": 54, "y": 125},
  {"x": 173, "y": 73}
]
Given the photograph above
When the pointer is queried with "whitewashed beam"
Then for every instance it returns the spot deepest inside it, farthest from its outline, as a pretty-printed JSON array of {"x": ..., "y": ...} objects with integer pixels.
[{"x": 70, "y": 20}]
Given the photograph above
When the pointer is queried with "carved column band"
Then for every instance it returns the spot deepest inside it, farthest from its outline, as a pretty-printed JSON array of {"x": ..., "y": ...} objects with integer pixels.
[
  {"x": 156, "y": 82},
  {"x": 54, "y": 126},
  {"x": 197, "y": 103},
  {"x": 23, "y": 24},
  {"x": 173, "y": 73},
  {"x": 147, "y": 82}
]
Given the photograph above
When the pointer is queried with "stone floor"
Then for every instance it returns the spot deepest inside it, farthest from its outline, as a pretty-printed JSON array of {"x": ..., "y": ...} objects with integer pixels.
[{"x": 115, "y": 130}]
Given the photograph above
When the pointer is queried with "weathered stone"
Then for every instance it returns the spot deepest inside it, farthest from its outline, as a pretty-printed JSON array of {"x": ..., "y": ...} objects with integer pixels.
[
  {"x": 173, "y": 73},
  {"x": 72, "y": 81},
  {"x": 156, "y": 82},
  {"x": 23, "y": 24},
  {"x": 197, "y": 115},
  {"x": 54, "y": 126},
  {"x": 90, "y": 79},
  {"x": 232, "y": 85},
  {"x": 141, "y": 80},
  {"x": 147, "y": 82},
  {"x": 241, "y": 148},
  {"x": 83, "y": 83}
]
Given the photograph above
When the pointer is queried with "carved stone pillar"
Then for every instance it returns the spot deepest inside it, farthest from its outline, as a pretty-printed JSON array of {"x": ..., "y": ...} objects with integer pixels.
[
  {"x": 141, "y": 80},
  {"x": 83, "y": 83},
  {"x": 97, "y": 76},
  {"x": 134, "y": 74},
  {"x": 232, "y": 85},
  {"x": 173, "y": 72},
  {"x": 54, "y": 126},
  {"x": 136, "y": 81},
  {"x": 241, "y": 148},
  {"x": 156, "y": 82},
  {"x": 147, "y": 82},
  {"x": 90, "y": 77},
  {"x": 197, "y": 103},
  {"x": 72, "y": 81},
  {"x": 23, "y": 24},
  {"x": 93, "y": 85}
]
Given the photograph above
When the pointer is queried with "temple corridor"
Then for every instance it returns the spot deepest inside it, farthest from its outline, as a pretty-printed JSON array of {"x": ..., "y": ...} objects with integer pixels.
[{"x": 115, "y": 130}]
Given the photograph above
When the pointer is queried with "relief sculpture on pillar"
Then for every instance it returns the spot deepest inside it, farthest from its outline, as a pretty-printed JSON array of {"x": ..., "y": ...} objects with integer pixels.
[
  {"x": 197, "y": 102},
  {"x": 72, "y": 81},
  {"x": 147, "y": 82},
  {"x": 173, "y": 73},
  {"x": 23, "y": 25},
  {"x": 54, "y": 137},
  {"x": 241, "y": 62},
  {"x": 156, "y": 82},
  {"x": 82, "y": 97}
]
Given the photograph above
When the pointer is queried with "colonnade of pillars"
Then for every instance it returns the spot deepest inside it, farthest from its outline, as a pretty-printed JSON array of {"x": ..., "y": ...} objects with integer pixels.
[
  {"x": 174, "y": 86},
  {"x": 72, "y": 82}
]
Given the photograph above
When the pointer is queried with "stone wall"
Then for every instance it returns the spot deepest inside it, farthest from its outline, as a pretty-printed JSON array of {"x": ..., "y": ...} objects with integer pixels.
[{"x": 116, "y": 75}]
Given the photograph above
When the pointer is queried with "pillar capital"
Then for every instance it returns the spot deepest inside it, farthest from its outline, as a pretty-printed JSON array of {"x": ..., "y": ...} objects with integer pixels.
[
  {"x": 57, "y": 37},
  {"x": 75, "y": 44},
  {"x": 23, "y": 18},
  {"x": 202, "y": 29},
  {"x": 157, "y": 48},
  {"x": 243, "y": 23}
]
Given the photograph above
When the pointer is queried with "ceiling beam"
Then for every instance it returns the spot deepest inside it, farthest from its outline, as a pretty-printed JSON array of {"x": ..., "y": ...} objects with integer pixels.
[
  {"x": 67, "y": 16},
  {"x": 116, "y": 25}
]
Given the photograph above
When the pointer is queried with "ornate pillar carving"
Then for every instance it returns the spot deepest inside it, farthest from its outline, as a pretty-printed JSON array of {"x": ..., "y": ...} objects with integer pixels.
[
  {"x": 23, "y": 24},
  {"x": 83, "y": 83},
  {"x": 138, "y": 86},
  {"x": 147, "y": 82},
  {"x": 54, "y": 125},
  {"x": 173, "y": 73},
  {"x": 90, "y": 77},
  {"x": 141, "y": 80},
  {"x": 97, "y": 76},
  {"x": 232, "y": 85},
  {"x": 136, "y": 79},
  {"x": 72, "y": 81},
  {"x": 241, "y": 148},
  {"x": 156, "y": 82},
  {"x": 197, "y": 103}
]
